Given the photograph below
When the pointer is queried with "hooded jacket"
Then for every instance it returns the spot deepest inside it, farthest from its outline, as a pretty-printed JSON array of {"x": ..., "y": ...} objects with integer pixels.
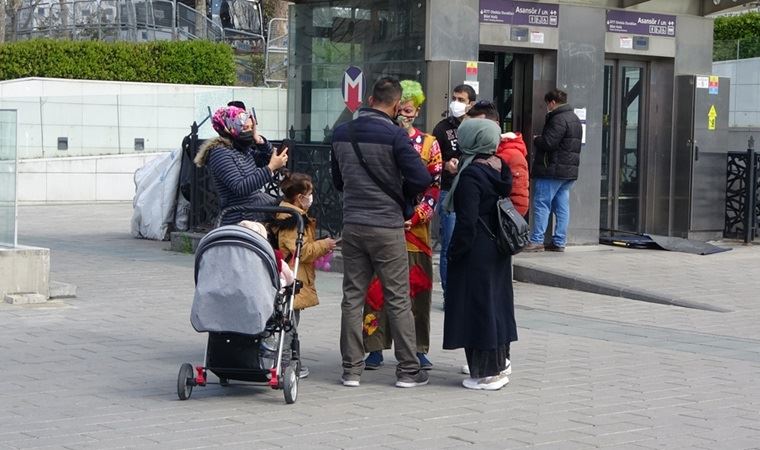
[
  {"x": 238, "y": 175},
  {"x": 514, "y": 153},
  {"x": 558, "y": 149}
]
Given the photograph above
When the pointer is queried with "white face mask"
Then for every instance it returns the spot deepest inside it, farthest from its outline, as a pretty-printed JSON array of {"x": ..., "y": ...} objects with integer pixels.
[
  {"x": 308, "y": 201},
  {"x": 457, "y": 109}
]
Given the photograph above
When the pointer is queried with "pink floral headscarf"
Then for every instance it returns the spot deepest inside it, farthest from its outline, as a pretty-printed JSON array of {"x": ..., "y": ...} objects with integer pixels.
[{"x": 229, "y": 121}]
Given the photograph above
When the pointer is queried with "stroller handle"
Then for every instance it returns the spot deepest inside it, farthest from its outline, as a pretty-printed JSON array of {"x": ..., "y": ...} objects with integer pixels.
[{"x": 263, "y": 209}]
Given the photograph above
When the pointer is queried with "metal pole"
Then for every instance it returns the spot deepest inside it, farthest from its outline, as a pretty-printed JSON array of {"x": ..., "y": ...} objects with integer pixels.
[
  {"x": 749, "y": 195},
  {"x": 738, "y": 46},
  {"x": 194, "y": 178},
  {"x": 754, "y": 186}
]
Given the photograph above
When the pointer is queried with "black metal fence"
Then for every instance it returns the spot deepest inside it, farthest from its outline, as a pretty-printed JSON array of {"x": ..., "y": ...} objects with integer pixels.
[
  {"x": 743, "y": 195},
  {"x": 197, "y": 185}
]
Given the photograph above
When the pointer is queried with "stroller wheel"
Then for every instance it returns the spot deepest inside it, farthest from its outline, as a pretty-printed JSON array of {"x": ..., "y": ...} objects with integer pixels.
[
  {"x": 184, "y": 381},
  {"x": 290, "y": 383}
]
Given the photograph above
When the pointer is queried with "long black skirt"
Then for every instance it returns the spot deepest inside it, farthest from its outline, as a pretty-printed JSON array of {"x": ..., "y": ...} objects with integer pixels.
[{"x": 487, "y": 363}]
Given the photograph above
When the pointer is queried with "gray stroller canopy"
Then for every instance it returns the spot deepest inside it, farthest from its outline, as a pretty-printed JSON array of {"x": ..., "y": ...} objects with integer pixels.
[{"x": 236, "y": 282}]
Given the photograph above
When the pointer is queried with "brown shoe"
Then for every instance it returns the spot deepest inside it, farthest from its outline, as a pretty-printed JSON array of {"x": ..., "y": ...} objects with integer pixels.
[
  {"x": 531, "y": 247},
  {"x": 554, "y": 248}
]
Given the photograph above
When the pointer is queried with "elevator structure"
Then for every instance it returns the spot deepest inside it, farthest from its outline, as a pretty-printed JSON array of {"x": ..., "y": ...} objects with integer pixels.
[{"x": 634, "y": 72}]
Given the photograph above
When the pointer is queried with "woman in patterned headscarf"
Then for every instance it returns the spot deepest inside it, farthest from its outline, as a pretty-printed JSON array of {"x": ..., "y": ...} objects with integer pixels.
[{"x": 240, "y": 160}]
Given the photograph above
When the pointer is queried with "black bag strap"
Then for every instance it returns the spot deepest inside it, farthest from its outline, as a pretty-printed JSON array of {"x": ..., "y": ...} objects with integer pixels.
[
  {"x": 488, "y": 229},
  {"x": 397, "y": 198},
  {"x": 491, "y": 234}
]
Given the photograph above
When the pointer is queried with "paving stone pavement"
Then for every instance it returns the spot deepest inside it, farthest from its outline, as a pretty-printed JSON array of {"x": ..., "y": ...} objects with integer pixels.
[{"x": 99, "y": 371}]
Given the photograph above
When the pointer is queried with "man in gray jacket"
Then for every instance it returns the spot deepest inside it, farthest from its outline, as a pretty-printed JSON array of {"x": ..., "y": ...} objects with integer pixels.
[{"x": 373, "y": 227}]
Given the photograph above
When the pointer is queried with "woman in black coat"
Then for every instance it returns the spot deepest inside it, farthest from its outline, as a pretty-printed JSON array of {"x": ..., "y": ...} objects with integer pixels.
[{"x": 479, "y": 314}]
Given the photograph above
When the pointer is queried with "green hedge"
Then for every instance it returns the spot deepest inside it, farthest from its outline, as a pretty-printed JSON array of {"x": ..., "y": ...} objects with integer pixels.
[
  {"x": 737, "y": 37},
  {"x": 185, "y": 62}
]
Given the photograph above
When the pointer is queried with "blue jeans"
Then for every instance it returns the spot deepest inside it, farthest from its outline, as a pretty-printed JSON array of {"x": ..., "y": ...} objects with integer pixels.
[
  {"x": 447, "y": 220},
  {"x": 550, "y": 196}
]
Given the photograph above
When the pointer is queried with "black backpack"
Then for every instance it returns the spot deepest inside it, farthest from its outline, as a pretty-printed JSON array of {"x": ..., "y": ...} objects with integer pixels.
[{"x": 513, "y": 233}]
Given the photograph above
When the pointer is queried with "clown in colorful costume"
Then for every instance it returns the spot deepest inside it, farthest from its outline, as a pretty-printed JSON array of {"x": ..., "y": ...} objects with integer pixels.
[{"x": 418, "y": 243}]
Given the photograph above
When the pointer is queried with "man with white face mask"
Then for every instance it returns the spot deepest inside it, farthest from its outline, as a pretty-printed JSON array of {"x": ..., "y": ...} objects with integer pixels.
[{"x": 445, "y": 132}]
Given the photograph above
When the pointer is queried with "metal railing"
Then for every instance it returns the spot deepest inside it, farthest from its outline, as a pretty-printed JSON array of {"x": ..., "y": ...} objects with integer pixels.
[
  {"x": 276, "y": 63},
  {"x": 736, "y": 49},
  {"x": 743, "y": 194},
  {"x": 191, "y": 24},
  {"x": 111, "y": 20},
  {"x": 239, "y": 23}
]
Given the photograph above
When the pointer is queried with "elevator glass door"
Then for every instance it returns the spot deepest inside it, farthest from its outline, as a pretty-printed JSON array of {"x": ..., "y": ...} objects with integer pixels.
[
  {"x": 622, "y": 145},
  {"x": 513, "y": 89}
]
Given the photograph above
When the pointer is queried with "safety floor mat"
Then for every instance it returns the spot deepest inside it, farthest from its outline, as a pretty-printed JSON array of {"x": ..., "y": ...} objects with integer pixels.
[{"x": 654, "y": 241}]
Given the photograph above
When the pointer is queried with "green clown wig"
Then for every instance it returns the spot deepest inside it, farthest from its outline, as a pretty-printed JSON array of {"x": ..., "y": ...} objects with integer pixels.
[{"x": 412, "y": 91}]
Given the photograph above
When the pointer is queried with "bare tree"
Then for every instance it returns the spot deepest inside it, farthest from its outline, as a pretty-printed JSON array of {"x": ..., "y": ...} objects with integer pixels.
[
  {"x": 2, "y": 21},
  {"x": 9, "y": 10},
  {"x": 275, "y": 9},
  {"x": 64, "y": 13},
  {"x": 200, "y": 19}
]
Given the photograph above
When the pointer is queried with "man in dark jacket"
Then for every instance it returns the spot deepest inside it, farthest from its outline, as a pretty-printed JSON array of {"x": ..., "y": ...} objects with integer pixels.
[
  {"x": 373, "y": 228},
  {"x": 555, "y": 169},
  {"x": 445, "y": 132}
]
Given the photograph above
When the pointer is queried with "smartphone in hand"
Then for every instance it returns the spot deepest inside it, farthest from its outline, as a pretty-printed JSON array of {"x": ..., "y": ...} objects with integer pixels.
[{"x": 286, "y": 144}]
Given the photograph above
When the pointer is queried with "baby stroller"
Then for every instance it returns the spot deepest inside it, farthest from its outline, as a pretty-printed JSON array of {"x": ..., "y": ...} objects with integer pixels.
[{"x": 249, "y": 317}]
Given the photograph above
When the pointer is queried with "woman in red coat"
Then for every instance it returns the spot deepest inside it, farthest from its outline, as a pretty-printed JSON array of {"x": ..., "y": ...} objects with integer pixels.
[{"x": 513, "y": 152}]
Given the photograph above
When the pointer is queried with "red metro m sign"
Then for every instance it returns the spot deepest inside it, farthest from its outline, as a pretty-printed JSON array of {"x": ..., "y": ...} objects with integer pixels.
[{"x": 353, "y": 88}]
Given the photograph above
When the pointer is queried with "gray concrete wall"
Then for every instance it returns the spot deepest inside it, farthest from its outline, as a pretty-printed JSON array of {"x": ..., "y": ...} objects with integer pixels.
[
  {"x": 580, "y": 72},
  {"x": 694, "y": 45},
  {"x": 744, "y": 104},
  {"x": 452, "y": 30}
]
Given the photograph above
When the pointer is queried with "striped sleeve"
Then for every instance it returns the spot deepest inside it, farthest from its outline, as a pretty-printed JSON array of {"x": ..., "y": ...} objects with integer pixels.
[
  {"x": 262, "y": 153},
  {"x": 228, "y": 172}
]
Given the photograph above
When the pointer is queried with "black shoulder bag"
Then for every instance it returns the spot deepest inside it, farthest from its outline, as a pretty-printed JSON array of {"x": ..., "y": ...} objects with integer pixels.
[
  {"x": 407, "y": 209},
  {"x": 512, "y": 234}
]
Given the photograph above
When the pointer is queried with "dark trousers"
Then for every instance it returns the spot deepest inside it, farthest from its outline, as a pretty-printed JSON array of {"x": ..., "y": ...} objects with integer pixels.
[{"x": 368, "y": 251}]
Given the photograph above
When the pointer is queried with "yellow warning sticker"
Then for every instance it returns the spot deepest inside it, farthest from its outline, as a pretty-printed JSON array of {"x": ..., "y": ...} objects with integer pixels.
[{"x": 711, "y": 116}]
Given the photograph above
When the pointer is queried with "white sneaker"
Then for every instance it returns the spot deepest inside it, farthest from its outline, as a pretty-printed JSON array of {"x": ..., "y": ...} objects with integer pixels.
[
  {"x": 493, "y": 383},
  {"x": 349, "y": 383},
  {"x": 470, "y": 383},
  {"x": 507, "y": 371}
]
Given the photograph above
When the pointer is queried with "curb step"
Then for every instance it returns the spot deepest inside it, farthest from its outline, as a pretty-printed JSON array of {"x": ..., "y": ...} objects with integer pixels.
[
  {"x": 62, "y": 290},
  {"x": 25, "y": 298}
]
